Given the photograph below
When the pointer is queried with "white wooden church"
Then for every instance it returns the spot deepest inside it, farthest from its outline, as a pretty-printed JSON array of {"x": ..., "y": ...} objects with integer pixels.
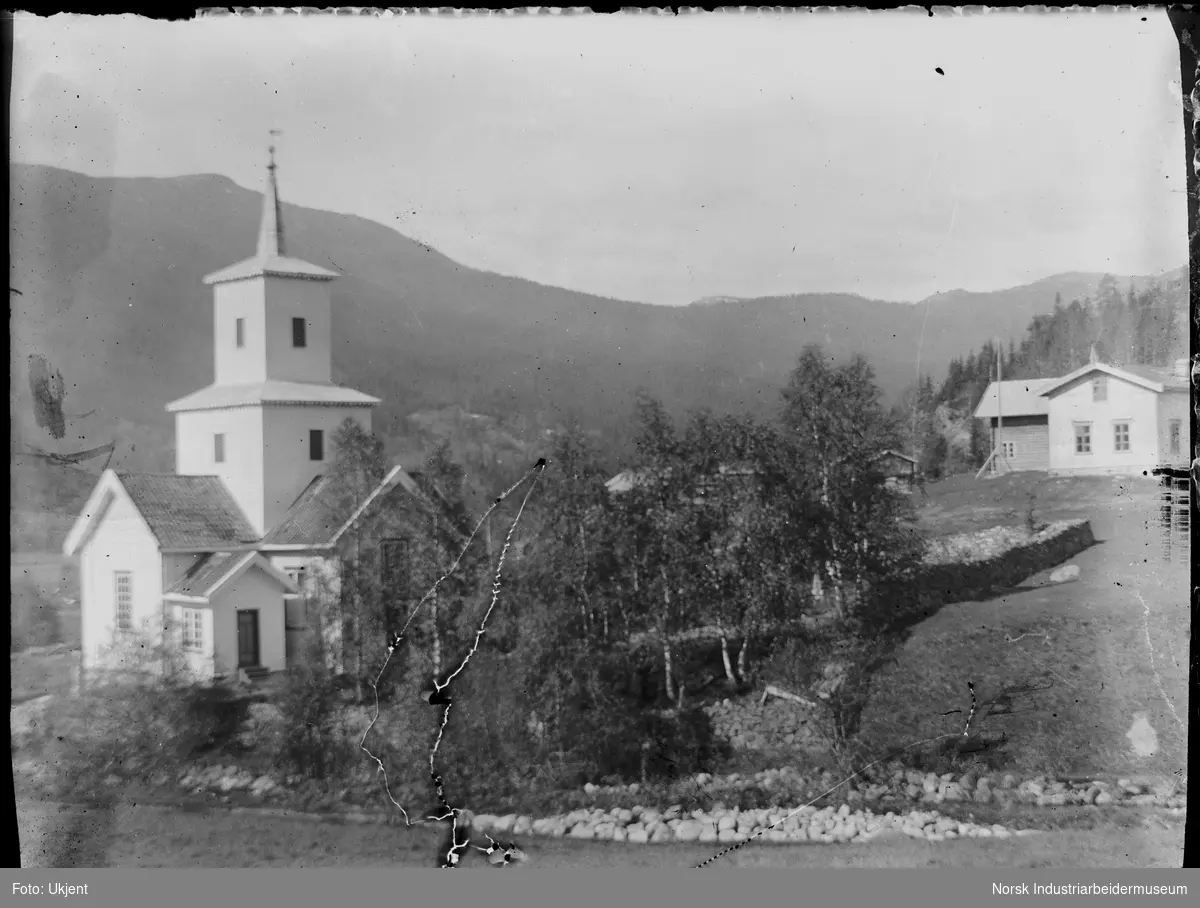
[{"x": 215, "y": 554}]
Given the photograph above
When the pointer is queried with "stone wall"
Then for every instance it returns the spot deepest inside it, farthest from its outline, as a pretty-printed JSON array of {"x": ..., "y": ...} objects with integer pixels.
[
  {"x": 941, "y": 581},
  {"x": 961, "y": 581}
]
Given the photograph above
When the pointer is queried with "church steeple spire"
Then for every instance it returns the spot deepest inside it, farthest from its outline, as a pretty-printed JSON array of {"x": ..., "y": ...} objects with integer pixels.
[{"x": 270, "y": 233}]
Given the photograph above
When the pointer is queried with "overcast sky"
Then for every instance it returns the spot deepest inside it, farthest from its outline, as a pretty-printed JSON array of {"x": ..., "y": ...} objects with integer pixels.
[{"x": 658, "y": 158}]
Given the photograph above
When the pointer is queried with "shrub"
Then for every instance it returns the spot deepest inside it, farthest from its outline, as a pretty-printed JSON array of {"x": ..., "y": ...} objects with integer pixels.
[
  {"x": 34, "y": 618},
  {"x": 144, "y": 718},
  {"x": 309, "y": 736}
]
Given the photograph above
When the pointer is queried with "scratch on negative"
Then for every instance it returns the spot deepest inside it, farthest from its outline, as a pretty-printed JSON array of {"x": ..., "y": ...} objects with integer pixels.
[{"x": 1153, "y": 665}]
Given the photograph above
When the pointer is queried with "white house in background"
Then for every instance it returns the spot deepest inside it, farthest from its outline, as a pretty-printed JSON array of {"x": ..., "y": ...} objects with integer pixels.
[
  {"x": 211, "y": 553},
  {"x": 1019, "y": 418},
  {"x": 1126, "y": 419}
]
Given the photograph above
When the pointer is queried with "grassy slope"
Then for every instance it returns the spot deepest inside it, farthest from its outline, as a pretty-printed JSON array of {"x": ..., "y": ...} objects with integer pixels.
[{"x": 1104, "y": 648}]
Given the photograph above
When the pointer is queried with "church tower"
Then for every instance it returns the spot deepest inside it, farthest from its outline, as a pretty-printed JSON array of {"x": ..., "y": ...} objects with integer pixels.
[{"x": 265, "y": 424}]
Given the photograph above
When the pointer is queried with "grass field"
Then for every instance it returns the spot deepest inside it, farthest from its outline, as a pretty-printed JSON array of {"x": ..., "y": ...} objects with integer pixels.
[
  {"x": 962, "y": 504},
  {"x": 1103, "y": 650}
]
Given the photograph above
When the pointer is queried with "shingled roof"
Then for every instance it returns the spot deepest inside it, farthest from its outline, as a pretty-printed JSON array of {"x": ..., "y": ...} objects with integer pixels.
[
  {"x": 202, "y": 575},
  {"x": 321, "y": 512},
  {"x": 1017, "y": 397},
  {"x": 188, "y": 512},
  {"x": 213, "y": 571}
]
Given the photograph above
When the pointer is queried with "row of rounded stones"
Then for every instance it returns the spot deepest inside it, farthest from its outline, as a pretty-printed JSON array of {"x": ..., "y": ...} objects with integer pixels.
[
  {"x": 935, "y": 789},
  {"x": 807, "y": 824}
]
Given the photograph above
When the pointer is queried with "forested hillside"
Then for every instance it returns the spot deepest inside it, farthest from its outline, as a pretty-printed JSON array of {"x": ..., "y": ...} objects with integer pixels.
[{"x": 1130, "y": 326}]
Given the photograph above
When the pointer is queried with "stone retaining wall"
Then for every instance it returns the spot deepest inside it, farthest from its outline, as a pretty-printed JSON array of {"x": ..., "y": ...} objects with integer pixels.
[
  {"x": 884, "y": 802},
  {"x": 963, "y": 580},
  {"x": 940, "y": 581}
]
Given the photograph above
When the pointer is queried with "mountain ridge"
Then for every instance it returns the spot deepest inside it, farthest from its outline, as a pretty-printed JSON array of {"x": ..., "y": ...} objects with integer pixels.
[{"x": 109, "y": 276}]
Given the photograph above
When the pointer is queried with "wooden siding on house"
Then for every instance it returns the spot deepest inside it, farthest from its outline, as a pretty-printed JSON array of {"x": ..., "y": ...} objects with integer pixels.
[
  {"x": 1030, "y": 438},
  {"x": 121, "y": 541},
  {"x": 253, "y": 591},
  {"x": 1125, "y": 402},
  {"x": 1173, "y": 405}
]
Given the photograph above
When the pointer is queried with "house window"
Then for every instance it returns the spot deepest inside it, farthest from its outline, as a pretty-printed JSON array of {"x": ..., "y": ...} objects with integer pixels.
[
  {"x": 316, "y": 445},
  {"x": 219, "y": 448},
  {"x": 1121, "y": 436},
  {"x": 240, "y": 331},
  {"x": 299, "y": 333},
  {"x": 1008, "y": 449},
  {"x": 1083, "y": 438},
  {"x": 124, "y": 590},
  {"x": 393, "y": 577},
  {"x": 193, "y": 629},
  {"x": 1100, "y": 388},
  {"x": 1176, "y": 430}
]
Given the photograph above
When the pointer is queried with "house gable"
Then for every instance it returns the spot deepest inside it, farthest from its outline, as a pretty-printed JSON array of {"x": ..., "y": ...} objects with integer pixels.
[
  {"x": 322, "y": 515},
  {"x": 91, "y": 517},
  {"x": 120, "y": 570},
  {"x": 1142, "y": 378},
  {"x": 216, "y": 573}
]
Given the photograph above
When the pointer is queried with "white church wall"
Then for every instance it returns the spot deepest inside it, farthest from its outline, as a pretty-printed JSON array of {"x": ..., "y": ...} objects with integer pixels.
[
  {"x": 242, "y": 469},
  {"x": 122, "y": 543},
  {"x": 233, "y": 365},
  {"x": 286, "y": 450},
  {"x": 286, "y": 299}
]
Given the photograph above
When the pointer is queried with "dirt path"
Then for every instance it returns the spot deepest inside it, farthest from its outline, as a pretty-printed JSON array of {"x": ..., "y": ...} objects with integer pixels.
[
  {"x": 130, "y": 835},
  {"x": 76, "y": 836},
  {"x": 1148, "y": 655}
]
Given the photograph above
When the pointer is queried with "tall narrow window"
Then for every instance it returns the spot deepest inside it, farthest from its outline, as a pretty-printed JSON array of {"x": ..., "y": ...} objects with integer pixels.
[
  {"x": 1100, "y": 388},
  {"x": 240, "y": 331},
  {"x": 219, "y": 448},
  {"x": 193, "y": 629},
  {"x": 1083, "y": 438},
  {"x": 394, "y": 578},
  {"x": 299, "y": 333},
  {"x": 1176, "y": 429},
  {"x": 1121, "y": 436},
  {"x": 123, "y": 581},
  {"x": 316, "y": 445}
]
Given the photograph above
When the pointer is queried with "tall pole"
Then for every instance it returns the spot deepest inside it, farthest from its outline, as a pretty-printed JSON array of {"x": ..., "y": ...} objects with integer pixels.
[{"x": 999, "y": 409}]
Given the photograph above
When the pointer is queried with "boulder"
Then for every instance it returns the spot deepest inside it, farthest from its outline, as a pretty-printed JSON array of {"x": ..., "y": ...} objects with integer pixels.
[
  {"x": 1064, "y": 574},
  {"x": 662, "y": 833},
  {"x": 1164, "y": 789},
  {"x": 689, "y": 831}
]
